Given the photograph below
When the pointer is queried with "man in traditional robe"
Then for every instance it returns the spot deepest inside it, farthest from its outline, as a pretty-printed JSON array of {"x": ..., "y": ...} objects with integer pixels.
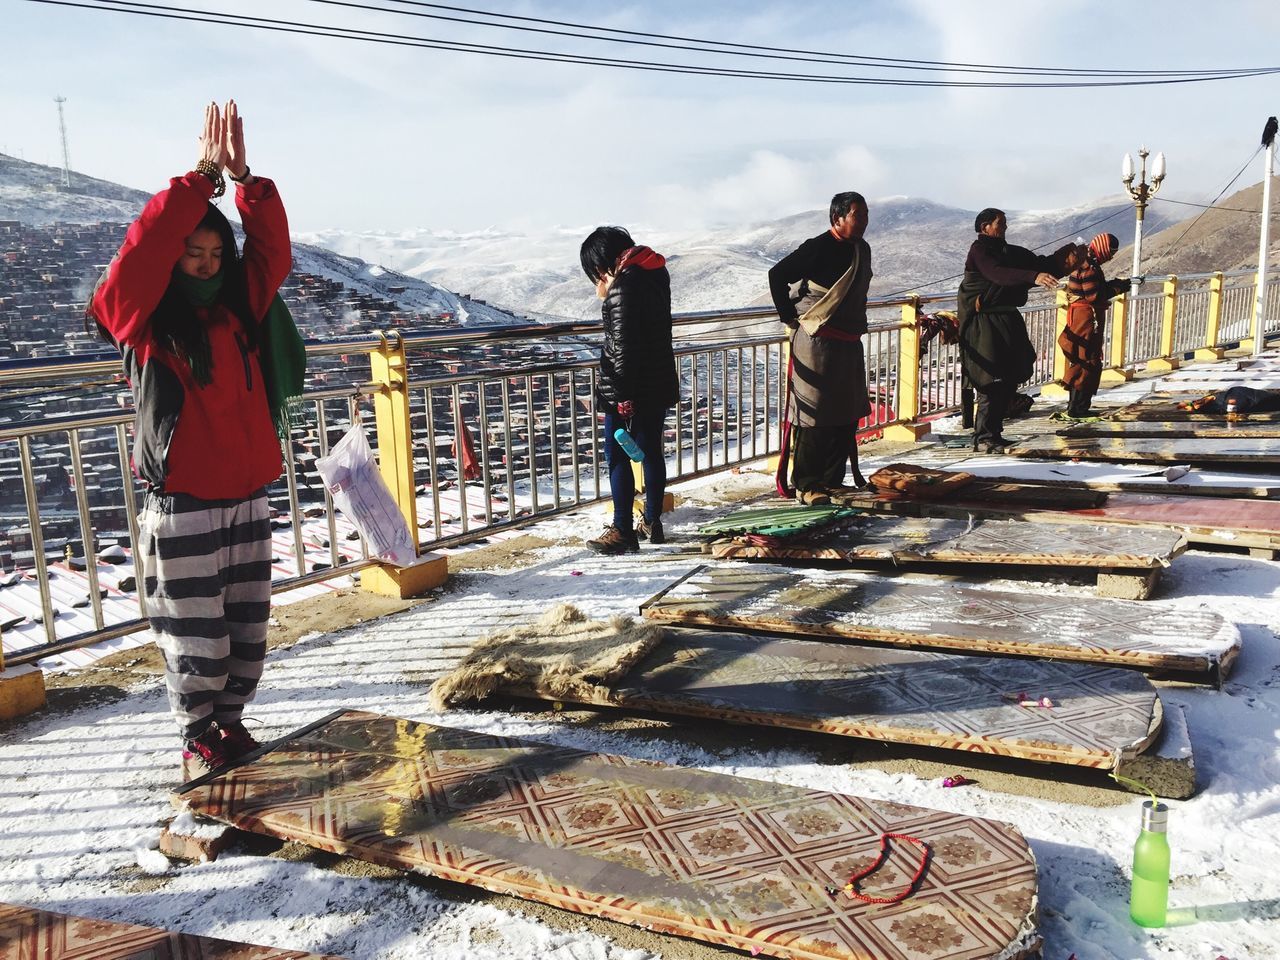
[{"x": 820, "y": 292}]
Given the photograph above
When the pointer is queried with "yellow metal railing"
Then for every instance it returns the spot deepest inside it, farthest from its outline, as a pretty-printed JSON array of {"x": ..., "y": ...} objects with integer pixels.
[{"x": 538, "y": 442}]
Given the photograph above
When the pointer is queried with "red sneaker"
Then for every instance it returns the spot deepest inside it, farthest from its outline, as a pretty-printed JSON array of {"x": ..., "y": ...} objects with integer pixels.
[
  {"x": 236, "y": 740},
  {"x": 206, "y": 750}
]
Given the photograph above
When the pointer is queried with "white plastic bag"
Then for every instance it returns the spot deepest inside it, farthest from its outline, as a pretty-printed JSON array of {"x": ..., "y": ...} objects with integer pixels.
[{"x": 358, "y": 490}]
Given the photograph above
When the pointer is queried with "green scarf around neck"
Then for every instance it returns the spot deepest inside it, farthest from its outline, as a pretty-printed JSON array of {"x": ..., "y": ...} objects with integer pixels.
[
  {"x": 193, "y": 343},
  {"x": 197, "y": 292}
]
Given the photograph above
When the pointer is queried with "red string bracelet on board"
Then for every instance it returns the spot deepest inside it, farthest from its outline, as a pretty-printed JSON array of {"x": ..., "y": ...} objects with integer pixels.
[{"x": 851, "y": 887}]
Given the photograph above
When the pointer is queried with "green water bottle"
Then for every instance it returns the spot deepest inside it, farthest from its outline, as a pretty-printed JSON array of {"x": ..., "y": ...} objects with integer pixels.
[{"x": 1149, "y": 897}]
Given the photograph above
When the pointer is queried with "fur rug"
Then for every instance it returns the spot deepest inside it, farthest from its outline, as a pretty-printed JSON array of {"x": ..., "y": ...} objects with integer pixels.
[{"x": 563, "y": 655}]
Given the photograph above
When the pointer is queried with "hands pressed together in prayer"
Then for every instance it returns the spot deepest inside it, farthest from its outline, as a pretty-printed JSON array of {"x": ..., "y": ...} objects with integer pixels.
[{"x": 221, "y": 143}]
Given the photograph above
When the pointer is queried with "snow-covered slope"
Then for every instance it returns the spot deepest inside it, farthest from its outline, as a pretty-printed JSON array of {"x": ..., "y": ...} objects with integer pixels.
[
  {"x": 32, "y": 194},
  {"x": 408, "y": 293}
]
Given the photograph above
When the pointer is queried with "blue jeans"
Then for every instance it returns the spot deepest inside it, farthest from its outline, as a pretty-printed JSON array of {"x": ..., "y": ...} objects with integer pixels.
[{"x": 646, "y": 429}]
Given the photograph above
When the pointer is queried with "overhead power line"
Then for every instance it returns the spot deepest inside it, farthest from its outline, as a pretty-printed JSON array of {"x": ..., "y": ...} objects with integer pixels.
[
  {"x": 1230, "y": 183},
  {"x": 307, "y": 28},
  {"x": 726, "y": 48},
  {"x": 1205, "y": 206}
]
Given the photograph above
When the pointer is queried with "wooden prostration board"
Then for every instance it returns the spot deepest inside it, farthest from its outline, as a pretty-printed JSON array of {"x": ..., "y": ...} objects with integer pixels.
[
  {"x": 730, "y": 861},
  {"x": 1256, "y": 452},
  {"x": 1204, "y": 521},
  {"x": 30, "y": 934},
  {"x": 1152, "y": 637},
  {"x": 1165, "y": 406},
  {"x": 1101, "y": 716},
  {"x": 1111, "y": 477},
  {"x": 1170, "y": 429},
  {"x": 1123, "y": 551}
]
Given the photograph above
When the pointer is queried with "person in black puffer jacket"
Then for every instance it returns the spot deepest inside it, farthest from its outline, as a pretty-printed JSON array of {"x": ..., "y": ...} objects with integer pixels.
[{"x": 638, "y": 383}]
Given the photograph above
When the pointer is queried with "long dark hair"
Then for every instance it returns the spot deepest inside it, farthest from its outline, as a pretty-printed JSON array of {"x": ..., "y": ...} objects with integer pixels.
[{"x": 173, "y": 322}]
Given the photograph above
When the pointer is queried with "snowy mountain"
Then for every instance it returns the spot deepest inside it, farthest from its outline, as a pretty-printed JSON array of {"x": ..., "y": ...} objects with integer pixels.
[
  {"x": 916, "y": 243},
  {"x": 32, "y": 193}
]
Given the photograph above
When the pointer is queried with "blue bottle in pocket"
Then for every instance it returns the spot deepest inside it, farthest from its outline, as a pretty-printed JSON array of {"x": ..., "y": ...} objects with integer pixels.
[{"x": 628, "y": 444}]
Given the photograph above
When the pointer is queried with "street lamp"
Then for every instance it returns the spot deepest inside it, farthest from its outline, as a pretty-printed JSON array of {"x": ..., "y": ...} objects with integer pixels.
[{"x": 1141, "y": 194}]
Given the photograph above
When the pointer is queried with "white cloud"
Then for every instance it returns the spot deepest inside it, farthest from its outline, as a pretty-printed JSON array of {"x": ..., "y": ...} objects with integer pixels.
[{"x": 768, "y": 184}]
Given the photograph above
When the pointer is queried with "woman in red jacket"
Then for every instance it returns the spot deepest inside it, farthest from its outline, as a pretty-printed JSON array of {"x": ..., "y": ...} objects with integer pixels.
[{"x": 186, "y": 312}]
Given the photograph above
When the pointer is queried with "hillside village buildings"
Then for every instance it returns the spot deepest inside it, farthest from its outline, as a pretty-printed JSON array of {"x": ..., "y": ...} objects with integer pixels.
[{"x": 46, "y": 275}]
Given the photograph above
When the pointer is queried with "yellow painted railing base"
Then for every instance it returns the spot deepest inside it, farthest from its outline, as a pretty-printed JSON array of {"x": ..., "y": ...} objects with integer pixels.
[
  {"x": 1054, "y": 391},
  {"x": 1163, "y": 364},
  {"x": 668, "y": 504},
  {"x": 906, "y": 432},
  {"x": 427, "y": 572},
  {"x": 1247, "y": 344},
  {"x": 1113, "y": 376},
  {"x": 21, "y": 691},
  {"x": 1210, "y": 353}
]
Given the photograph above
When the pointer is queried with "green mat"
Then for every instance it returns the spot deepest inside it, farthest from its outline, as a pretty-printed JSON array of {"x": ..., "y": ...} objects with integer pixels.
[{"x": 777, "y": 521}]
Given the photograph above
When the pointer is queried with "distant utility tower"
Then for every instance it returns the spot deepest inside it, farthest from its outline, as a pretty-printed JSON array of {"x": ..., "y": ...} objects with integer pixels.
[{"x": 66, "y": 152}]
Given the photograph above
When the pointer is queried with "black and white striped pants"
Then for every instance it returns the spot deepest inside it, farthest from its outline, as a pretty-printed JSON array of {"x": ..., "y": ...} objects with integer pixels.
[{"x": 207, "y": 566}]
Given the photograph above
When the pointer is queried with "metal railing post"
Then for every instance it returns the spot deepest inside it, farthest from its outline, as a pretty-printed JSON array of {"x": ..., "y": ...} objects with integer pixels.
[
  {"x": 389, "y": 368},
  {"x": 1166, "y": 360},
  {"x": 909, "y": 427},
  {"x": 784, "y": 367},
  {"x": 1117, "y": 371},
  {"x": 1056, "y": 389},
  {"x": 390, "y": 372},
  {"x": 1252, "y": 324},
  {"x": 1211, "y": 350}
]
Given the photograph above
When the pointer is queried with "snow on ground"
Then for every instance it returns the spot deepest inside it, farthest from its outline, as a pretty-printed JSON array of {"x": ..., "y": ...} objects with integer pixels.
[{"x": 85, "y": 791}]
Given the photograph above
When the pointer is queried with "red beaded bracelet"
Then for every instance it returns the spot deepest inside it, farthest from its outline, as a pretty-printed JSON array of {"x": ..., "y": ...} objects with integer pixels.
[{"x": 851, "y": 887}]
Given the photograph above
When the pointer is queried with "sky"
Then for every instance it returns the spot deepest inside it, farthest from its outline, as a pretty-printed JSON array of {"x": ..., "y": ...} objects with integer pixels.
[{"x": 372, "y": 137}]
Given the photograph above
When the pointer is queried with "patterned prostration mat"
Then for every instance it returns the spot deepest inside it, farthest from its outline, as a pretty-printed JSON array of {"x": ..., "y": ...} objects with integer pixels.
[
  {"x": 1222, "y": 522},
  {"x": 1110, "y": 477},
  {"x": 1070, "y": 713},
  {"x": 731, "y": 861},
  {"x": 30, "y": 934},
  {"x": 1254, "y": 451},
  {"x": 1173, "y": 429},
  {"x": 904, "y": 540},
  {"x": 1151, "y": 637},
  {"x": 1167, "y": 407}
]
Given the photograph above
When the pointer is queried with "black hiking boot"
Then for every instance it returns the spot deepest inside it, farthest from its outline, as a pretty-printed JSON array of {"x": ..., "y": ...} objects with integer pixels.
[{"x": 652, "y": 532}]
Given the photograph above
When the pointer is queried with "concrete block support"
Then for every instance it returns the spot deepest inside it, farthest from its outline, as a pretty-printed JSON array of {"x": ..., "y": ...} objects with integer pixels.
[
  {"x": 427, "y": 572},
  {"x": 21, "y": 691}
]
